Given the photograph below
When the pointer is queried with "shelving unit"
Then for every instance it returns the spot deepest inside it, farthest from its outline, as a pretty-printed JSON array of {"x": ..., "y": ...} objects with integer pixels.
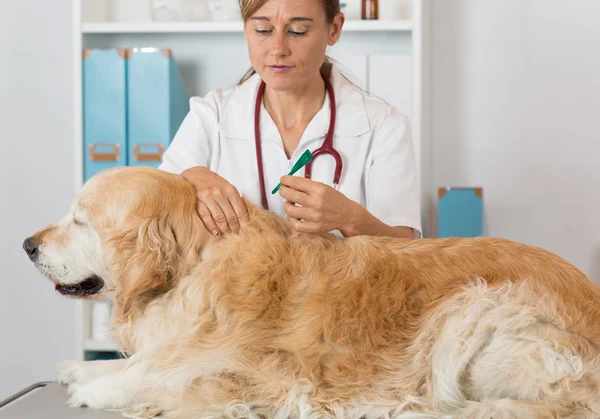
[
  {"x": 99, "y": 345},
  {"x": 198, "y": 49},
  {"x": 225, "y": 27}
]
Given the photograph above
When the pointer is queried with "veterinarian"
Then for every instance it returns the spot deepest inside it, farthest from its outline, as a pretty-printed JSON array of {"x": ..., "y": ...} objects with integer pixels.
[{"x": 216, "y": 148}]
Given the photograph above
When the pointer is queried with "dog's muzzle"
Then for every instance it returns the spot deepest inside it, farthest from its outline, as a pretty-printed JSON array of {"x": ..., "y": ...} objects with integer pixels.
[{"x": 89, "y": 286}]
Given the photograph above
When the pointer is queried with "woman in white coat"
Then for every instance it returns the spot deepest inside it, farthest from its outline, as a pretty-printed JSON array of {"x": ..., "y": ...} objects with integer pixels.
[{"x": 215, "y": 150}]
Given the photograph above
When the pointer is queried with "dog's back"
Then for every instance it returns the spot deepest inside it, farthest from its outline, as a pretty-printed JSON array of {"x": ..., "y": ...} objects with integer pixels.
[{"x": 364, "y": 317}]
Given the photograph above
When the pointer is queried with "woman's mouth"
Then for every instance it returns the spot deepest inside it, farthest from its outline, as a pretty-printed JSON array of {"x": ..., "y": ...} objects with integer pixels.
[{"x": 280, "y": 68}]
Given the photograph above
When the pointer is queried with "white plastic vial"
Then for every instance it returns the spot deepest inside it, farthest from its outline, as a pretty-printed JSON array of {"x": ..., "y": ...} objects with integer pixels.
[
  {"x": 351, "y": 9},
  {"x": 96, "y": 11},
  {"x": 168, "y": 10},
  {"x": 395, "y": 10},
  {"x": 223, "y": 10}
]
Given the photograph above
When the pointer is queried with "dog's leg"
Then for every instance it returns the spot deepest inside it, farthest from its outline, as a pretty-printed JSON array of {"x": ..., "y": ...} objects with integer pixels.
[
  {"x": 513, "y": 345},
  {"x": 115, "y": 389},
  {"x": 145, "y": 388},
  {"x": 142, "y": 390},
  {"x": 539, "y": 363},
  {"x": 232, "y": 396},
  {"x": 82, "y": 372}
]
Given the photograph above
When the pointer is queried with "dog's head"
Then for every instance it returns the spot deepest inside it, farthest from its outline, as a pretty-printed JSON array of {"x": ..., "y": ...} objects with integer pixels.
[{"x": 130, "y": 230}]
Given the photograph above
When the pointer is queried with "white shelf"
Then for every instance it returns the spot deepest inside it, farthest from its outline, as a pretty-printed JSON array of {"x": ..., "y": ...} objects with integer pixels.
[
  {"x": 227, "y": 27},
  {"x": 100, "y": 345}
]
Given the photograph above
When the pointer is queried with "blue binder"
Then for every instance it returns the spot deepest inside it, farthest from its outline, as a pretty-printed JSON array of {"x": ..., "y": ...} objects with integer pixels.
[
  {"x": 157, "y": 104},
  {"x": 460, "y": 212},
  {"x": 104, "y": 109}
]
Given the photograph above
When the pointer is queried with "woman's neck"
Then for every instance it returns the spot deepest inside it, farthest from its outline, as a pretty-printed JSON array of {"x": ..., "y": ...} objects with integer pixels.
[{"x": 295, "y": 109}]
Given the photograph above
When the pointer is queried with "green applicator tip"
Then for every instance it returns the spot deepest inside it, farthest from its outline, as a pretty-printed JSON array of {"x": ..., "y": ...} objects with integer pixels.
[{"x": 304, "y": 158}]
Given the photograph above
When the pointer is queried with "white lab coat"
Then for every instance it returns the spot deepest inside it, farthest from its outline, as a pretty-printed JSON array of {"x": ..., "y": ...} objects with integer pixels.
[{"x": 373, "y": 138}]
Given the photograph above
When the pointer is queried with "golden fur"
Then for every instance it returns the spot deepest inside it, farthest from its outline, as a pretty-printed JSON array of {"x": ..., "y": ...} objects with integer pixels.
[{"x": 274, "y": 323}]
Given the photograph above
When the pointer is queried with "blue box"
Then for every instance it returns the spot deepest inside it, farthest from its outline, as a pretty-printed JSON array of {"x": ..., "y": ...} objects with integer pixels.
[
  {"x": 156, "y": 104},
  {"x": 104, "y": 73},
  {"x": 460, "y": 212}
]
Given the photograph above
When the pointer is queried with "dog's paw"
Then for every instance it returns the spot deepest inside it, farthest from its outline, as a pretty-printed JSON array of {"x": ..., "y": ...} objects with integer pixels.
[
  {"x": 70, "y": 372},
  {"x": 80, "y": 395},
  {"x": 142, "y": 411},
  {"x": 82, "y": 372},
  {"x": 93, "y": 396},
  {"x": 103, "y": 393}
]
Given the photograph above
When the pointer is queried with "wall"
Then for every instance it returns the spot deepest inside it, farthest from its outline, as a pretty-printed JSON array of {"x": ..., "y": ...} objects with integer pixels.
[
  {"x": 515, "y": 104},
  {"x": 36, "y": 187}
]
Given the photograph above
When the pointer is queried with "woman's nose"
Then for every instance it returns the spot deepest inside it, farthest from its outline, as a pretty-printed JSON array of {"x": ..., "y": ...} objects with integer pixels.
[{"x": 279, "y": 45}]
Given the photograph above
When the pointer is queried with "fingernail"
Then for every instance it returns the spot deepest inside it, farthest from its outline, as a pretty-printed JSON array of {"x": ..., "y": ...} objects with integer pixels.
[{"x": 215, "y": 233}]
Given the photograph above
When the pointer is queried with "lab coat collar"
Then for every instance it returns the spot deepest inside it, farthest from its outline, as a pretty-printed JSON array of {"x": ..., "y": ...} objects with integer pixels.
[{"x": 351, "y": 116}]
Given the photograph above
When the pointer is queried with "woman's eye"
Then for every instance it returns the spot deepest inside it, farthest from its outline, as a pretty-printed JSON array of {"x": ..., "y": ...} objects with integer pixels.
[{"x": 268, "y": 31}]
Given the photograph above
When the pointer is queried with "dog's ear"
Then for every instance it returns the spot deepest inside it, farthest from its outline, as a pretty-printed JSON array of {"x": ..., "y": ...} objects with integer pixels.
[{"x": 144, "y": 257}]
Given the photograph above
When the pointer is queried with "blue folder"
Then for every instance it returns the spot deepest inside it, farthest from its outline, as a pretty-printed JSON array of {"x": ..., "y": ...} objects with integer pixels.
[
  {"x": 460, "y": 212},
  {"x": 104, "y": 73},
  {"x": 157, "y": 104}
]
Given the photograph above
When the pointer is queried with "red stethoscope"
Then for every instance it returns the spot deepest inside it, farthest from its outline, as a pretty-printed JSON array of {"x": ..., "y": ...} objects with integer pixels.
[{"x": 326, "y": 148}]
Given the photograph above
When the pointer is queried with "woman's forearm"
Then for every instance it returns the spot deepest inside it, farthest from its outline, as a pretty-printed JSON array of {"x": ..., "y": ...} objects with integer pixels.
[{"x": 362, "y": 222}]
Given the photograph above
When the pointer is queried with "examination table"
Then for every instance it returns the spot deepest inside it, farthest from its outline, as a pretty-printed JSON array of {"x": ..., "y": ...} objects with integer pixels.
[{"x": 46, "y": 400}]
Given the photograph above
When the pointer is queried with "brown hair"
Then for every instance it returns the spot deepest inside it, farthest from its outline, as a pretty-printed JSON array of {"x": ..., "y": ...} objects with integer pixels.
[{"x": 249, "y": 7}]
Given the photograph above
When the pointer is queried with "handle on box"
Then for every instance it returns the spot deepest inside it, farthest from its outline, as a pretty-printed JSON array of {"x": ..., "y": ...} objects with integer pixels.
[
  {"x": 112, "y": 155},
  {"x": 151, "y": 156}
]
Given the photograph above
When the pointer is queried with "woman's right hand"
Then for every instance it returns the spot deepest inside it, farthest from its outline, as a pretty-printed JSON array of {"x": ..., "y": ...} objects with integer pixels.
[{"x": 219, "y": 204}]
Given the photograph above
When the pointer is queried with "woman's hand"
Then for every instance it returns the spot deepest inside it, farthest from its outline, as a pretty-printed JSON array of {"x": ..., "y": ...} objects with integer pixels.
[
  {"x": 219, "y": 205},
  {"x": 322, "y": 209}
]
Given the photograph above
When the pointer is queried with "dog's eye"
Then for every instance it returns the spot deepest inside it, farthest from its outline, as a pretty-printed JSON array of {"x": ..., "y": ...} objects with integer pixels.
[{"x": 78, "y": 222}]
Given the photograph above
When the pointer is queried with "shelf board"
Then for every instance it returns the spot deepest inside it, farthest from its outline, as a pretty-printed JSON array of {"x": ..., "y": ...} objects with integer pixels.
[
  {"x": 227, "y": 27},
  {"x": 99, "y": 345}
]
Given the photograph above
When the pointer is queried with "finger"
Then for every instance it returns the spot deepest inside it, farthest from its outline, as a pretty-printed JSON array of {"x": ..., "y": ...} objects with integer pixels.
[
  {"x": 238, "y": 204},
  {"x": 231, "y": 218},
  {"x": 229, "y": 211},
  {"x": 206, "y": 218},
  {"x": 216, "y": 209},
  {"x": 300, "y": 213},
  {"x": 304, "y": 226},
  {"x": 299, "y": 183},
  {"x": 294, "y": 195}
]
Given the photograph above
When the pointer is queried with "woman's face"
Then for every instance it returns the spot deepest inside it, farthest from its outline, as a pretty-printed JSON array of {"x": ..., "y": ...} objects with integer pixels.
[{"x": 287, "y": 41}]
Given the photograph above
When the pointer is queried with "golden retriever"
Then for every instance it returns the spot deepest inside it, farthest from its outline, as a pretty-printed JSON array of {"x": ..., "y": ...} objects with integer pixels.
[{"x": 272, "y": 323}]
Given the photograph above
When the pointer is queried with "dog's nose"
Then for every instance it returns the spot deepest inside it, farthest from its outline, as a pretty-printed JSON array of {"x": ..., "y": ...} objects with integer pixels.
[{"x": 30, "y": 245}]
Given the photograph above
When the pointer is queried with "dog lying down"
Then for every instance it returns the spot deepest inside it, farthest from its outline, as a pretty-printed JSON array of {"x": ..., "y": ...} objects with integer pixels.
[{"x": 272, "y": 323}]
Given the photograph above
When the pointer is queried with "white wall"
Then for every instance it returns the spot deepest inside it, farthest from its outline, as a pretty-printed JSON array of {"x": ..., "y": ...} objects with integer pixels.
[
  {"x": 37, "y": 327},
  {"x": 516, "y": 109}
]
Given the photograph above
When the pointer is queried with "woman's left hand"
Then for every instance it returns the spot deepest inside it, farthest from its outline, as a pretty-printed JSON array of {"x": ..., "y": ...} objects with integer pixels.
[{"x": 322, "y": 208}]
